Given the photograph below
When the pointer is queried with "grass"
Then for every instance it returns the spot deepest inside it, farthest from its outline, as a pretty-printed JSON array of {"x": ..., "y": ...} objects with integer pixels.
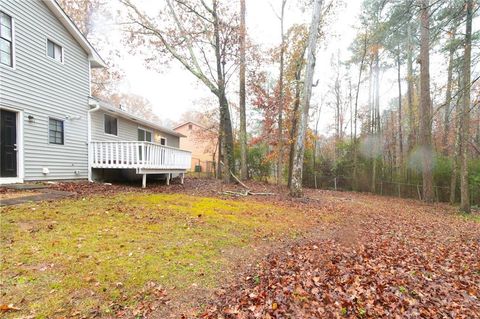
[{"x": 74, "y": 256}]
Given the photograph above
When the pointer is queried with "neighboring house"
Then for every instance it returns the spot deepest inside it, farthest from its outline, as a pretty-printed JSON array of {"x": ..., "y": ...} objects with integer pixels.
[
  {"x": 202, "y": 142},
  {"x": 45, "y": 67}
]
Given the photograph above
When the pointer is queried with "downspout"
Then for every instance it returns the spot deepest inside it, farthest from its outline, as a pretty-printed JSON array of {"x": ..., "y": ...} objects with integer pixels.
[{"x": 89, "y": 139}]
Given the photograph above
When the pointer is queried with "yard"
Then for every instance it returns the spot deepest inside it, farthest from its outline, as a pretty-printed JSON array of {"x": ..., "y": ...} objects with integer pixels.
[{"x": 156, "y": 253}]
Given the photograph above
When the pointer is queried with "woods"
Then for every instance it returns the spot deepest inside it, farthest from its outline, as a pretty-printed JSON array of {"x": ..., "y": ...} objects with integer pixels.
[{"x": 399, "y": 111}]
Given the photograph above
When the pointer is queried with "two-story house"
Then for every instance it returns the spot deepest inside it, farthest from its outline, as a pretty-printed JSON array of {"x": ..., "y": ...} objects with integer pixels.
[{"x": 51, "y": 129}]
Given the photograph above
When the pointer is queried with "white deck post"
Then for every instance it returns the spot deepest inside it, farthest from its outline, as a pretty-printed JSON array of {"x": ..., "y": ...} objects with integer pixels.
[
  {"x": 144, "y": 181},
  {"x": 182, "y": 175},
  {"x": 168, "y": 179}
]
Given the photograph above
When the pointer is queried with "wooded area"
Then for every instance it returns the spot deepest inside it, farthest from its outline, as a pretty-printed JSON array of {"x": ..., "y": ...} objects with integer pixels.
[{"x": 428, "y": 137}]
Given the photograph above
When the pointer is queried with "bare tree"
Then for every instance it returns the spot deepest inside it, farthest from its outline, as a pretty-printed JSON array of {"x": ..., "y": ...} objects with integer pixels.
[
  {"x": 465, "y": 113},
  {"x": 194, "y": 34},
  {"x": 297, "y": 172},
  {"x": 425, "y": 140},
  {"x": 281, "y": 95},
  {"x": 243, "y": 119}
]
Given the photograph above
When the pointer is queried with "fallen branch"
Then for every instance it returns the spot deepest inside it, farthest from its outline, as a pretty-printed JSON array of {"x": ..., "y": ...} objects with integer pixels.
[{"x": 247, "y": 189}]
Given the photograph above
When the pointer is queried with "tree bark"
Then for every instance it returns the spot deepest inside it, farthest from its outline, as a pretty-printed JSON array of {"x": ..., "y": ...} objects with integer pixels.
[
  {"x": 465, "y": 119},
  {"x": 293, "y": 132},
  {"x": 355, "y": 150},
  {"x": 225, "y": 119},
  {"x": 411, "y": 112},
  {"x": 297, "y": 171},
  {"x": 400, "y": 134},
  {"x": 243, "y": 120},
  {"x": 426, "y": 103},
  {"x": 281, "y": 98},
  {"x": 448, "y": 97}
]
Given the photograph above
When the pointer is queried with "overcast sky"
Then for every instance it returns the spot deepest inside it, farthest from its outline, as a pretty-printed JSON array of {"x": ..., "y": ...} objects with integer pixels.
[{"x": 175, "y": 91}]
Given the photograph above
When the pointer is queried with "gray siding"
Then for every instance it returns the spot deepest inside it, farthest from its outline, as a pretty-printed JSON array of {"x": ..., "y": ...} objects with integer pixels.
[
  {"x": 127, "y": 130},
  {"x": 43, "y": 88}
]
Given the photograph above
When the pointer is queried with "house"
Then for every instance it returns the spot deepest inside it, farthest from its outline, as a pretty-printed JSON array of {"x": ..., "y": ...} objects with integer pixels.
[
  {"x": 51, "y": 129},
  {"x": 202, "y": 143}
]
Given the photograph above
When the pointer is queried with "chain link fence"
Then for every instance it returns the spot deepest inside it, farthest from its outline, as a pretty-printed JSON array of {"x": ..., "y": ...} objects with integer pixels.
[{"x": 386, "y": 188}]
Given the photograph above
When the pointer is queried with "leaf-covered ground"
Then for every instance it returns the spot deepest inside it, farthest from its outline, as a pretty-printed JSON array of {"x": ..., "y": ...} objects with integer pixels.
[
  {"x": 384, "y": 258},
  {"x": 163, "y": 253}
]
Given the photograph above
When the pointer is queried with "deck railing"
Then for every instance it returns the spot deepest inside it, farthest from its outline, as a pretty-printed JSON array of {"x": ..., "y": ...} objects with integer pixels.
[{"x": 139, "y": 155}]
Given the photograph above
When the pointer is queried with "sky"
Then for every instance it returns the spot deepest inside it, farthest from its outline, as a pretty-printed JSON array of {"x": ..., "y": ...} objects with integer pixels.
[{"x": 174, "y": 91}]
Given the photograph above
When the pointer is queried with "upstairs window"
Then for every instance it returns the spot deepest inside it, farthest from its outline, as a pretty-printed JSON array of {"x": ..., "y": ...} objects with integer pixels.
[
  {"x": 54, "y": 51},
  {"x": 163, "y": 141},
  {"x": 110, "y": 125},
  {"x": 55, "y": 131},
  {"x": 6, "y": 39}
]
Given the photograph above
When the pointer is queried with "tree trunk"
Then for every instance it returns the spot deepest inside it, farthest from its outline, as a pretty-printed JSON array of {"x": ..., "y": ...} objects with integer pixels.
[
  {"x": 293, "y": 131},
  {"x": 355, "y": 148},
  {"x": 281, "y": 98},
  {"x": 400, "y": 135},
  {"x": 297, "y": 171},
  {"x": 456, "y": 150},
  {"x": 411, "y": 112},
  {"x": 426, "y": 103},
  {"x": 465, "y": 119},
  {"x": 225, "y": 119},
  {"x": 376, "y": 118},
  {"x": 448, "y": 97},
  {"x": 243, "y": 120}
]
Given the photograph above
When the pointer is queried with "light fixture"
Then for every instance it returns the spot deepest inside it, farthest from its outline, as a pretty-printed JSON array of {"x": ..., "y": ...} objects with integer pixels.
[{"x": 31, "y": 118}]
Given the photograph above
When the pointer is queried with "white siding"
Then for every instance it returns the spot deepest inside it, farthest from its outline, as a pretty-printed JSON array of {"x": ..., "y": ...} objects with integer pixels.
[
  {"x": 126, "y": 129},
  {"x": 43, "y": 88}
]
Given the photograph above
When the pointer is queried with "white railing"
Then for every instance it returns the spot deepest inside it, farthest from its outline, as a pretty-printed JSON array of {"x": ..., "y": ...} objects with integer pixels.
[{"x": 139, "y": 155}]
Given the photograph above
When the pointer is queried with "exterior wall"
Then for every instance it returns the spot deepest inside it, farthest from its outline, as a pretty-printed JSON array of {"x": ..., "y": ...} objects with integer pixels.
[
  {"x": 42, "y": 87},
  {"x": 126, "y": 129},
  {"x": 202, "y": 150}
]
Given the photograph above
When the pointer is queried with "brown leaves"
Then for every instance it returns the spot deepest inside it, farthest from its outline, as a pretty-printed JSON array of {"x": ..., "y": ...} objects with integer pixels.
[
  {"x": 386, "y": 258},
  {"x": 9, "y": 307}
]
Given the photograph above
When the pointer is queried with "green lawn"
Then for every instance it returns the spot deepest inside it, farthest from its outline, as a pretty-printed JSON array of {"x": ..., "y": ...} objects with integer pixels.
[{"x": 74, "y": 256}]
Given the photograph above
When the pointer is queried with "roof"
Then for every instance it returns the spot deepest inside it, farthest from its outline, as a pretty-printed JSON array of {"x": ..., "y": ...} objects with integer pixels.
[
  {"x": 95, "y": 59},
  {"x": 189, "y": 122},
  {"x": 126, "y": 115}
]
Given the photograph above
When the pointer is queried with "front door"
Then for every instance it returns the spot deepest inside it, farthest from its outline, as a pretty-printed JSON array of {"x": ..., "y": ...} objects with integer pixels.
[{"x": 8, "y": 144}]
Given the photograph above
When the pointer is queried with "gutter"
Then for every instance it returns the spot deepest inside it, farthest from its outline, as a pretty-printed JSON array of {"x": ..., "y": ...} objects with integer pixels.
[{"x": 89, "y": 138}]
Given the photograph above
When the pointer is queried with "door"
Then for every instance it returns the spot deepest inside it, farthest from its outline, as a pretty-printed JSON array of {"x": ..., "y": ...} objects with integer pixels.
[
  {"x": 8, "y": 144},
  {"x": 143, "y": 136}
]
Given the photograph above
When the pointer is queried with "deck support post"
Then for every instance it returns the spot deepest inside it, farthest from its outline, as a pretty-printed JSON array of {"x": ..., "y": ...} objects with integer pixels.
[
  {"x": 144, "y": 180},
  {"x": 182, "y": 175},
  {"x": 168, "y": 179}
]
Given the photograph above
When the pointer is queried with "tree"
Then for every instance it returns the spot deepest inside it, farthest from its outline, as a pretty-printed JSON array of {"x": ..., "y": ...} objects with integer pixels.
[
  {"x": 104, "y": 81},
  {"x": 425, "y": 138},
  {"x": 297, "y": 169},
  {"x": 465, "y": 113},
  {"x": 181, "y": 34},
  {"x": 281, "y": 95},
  {"x": 243, "y": 120}
]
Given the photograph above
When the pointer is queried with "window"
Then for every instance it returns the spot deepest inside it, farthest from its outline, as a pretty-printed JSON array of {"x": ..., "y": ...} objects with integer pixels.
[
  {"x": 163, "y": 141},
  {"x": 54, "y": 51},
  {"x": 55, "y": 131},
  {"x": 6, "y": 39},
  {"x": 110, "y": 125},
  {"x": 190, "y": 127},
  {"x": 144, "y": 135}
]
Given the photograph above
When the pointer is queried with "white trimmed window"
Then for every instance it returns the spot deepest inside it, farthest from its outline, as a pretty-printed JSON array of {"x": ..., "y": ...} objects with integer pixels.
[
  {"x": 6, "y": 39},
  {"x": 55, "y": 131},
  {"x": 54, "y": 51},
  {"x": 110, "y": 125}
]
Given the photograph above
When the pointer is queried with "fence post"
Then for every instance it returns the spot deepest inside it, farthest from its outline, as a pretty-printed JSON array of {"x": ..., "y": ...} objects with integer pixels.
[
  {"x": 399, "y": 193},
  {"x": 418, "y": 191},
  {"x": 335, "y": 182},
  {"x": 381, "y": 187}
]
